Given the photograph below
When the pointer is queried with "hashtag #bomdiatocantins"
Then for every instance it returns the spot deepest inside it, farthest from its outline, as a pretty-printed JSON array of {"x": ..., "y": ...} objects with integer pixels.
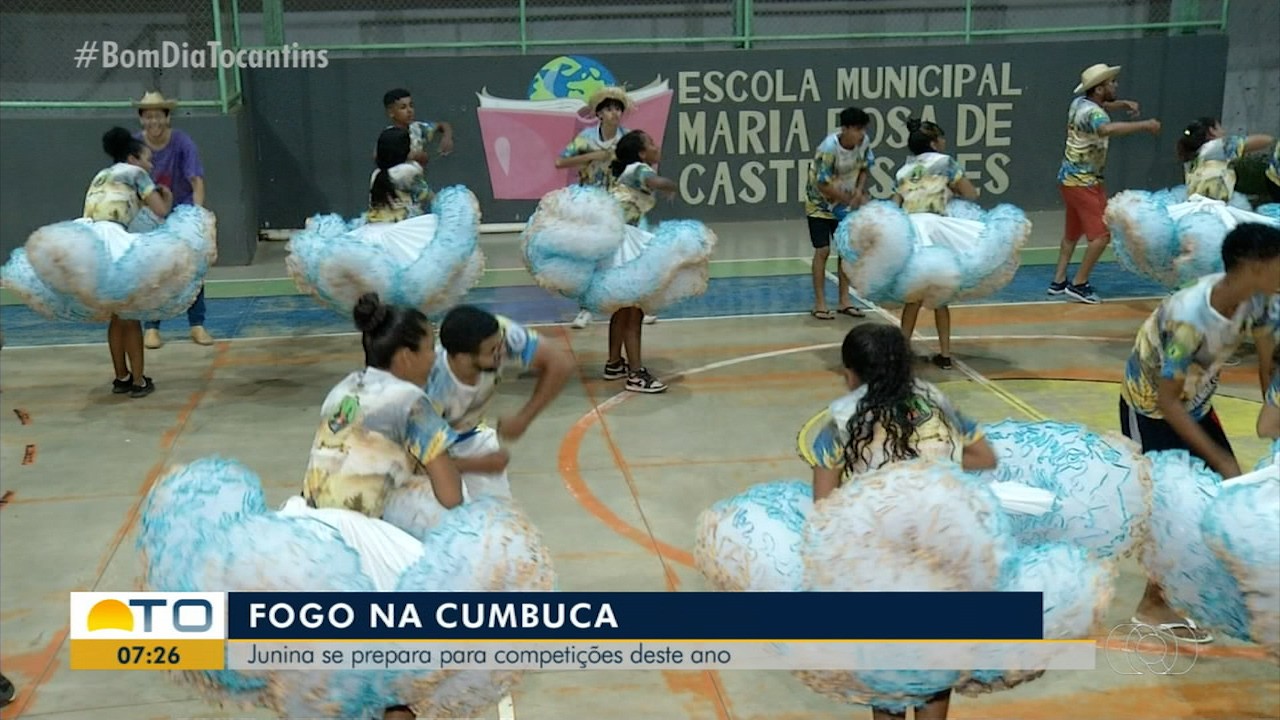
[{"x": 108, "y": 55}]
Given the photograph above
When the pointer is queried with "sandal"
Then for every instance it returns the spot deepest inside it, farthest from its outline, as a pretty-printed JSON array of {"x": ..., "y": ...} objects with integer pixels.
[
  {"x": 851, "y": 311},
  {"x": 1198, "y": 636},
  {"x": 822, "y": 314}
]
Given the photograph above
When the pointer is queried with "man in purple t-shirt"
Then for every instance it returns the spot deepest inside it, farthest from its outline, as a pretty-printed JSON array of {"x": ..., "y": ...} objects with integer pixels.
[{"x": 175, "y": 163}]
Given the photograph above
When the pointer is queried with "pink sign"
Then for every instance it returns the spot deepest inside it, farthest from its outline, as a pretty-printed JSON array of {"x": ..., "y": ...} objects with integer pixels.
[{"x": 523, "y": 138}]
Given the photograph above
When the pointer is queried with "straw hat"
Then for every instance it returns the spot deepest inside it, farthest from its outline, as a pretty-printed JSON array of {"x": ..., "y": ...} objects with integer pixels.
[
  {"x": 606, "y": 93},
  {"x": 155, "y": 100},
  {"x": 1095, "y": 75}
]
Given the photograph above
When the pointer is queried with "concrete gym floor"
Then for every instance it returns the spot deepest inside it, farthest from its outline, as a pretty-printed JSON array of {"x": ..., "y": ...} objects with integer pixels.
[{"x": 613, "y": 480}]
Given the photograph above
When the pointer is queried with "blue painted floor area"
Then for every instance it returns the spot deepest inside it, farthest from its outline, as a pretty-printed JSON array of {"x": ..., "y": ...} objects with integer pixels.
[{"x": 301, "y": 315}]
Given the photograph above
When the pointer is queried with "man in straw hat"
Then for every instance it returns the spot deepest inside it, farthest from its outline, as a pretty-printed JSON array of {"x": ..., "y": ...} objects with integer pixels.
[
  {"x": 591, "y": 152},
  {"x": 1089, "y": 130},
  {"x": 175, "y": 163}
]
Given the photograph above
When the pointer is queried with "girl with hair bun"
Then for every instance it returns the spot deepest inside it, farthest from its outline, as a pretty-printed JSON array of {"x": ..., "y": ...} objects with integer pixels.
[
  {"x": 930, "y": 246},
  {"x": 425, "y": 261},
  {"x": 206, "y": 526},
  {"x": 95, "y": 269},
  {"x": 1174, "y": 236}
]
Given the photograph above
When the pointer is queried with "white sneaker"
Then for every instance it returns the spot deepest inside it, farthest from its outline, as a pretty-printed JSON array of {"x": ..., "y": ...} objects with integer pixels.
[
  {"x": 583, "y": 319},
  {"x": 650, "y": 319}
]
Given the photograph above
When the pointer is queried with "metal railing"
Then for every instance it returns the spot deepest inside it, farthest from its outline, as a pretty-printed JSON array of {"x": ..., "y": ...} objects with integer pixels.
[{"x": 38, "y": 35}]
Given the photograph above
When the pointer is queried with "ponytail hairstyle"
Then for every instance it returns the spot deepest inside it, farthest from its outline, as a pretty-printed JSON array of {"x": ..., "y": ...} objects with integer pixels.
[
  {"x": 879, "y": 355},
  {"x": 1193, "y": 137},
  {"x": 393, "y": 150},
  {"x": 121, "y": 145},
  {"x": 387, "y": 328},
  {"x": 627, "y": 152},
  {"x": 922, "y": 135}
]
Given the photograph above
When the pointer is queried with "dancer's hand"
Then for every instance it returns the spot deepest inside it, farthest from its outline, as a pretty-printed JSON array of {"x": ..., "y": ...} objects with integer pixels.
[
  {"x": 1153, "y": 126},
  {"x": 419, "y": 157},
  {"x": 512, "y": 427},
  {"x": 446, "y": 145}
]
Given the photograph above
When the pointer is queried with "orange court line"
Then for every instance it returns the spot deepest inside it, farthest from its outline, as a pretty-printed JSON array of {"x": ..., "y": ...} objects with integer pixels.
[
  {"x": 66, "y": 498},
  {"x": 1230, "y": 700},
  {"x": 706, "y": 684},
  {"x": 569, "y": 470},
  {"x": 39, "y": 665},
  {"x": 1211, "y": 650}
]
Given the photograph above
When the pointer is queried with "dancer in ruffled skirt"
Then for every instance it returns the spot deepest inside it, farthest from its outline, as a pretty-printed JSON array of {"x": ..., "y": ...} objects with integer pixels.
[
  {"x": 926, "y": 183},
  {"x": 890, "y": 510},
  {"x": 934, "y": 249},
  {"x": 591, "y": 152},
  {"x": 94, "y": 269},
  {"x": 426, "y": 261},
  {"x": 587, "y": 244},
  {"x": 206, "y": 527},
  {"x": 1175, "y": 236}
]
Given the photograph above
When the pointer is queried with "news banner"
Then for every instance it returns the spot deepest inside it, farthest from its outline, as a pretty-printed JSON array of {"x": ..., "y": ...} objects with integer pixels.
[{"x": 567, "y": 631}]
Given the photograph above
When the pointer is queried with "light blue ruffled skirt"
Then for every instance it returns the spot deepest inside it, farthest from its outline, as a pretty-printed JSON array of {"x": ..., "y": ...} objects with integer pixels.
[
  {"x": 1174, "y": 240},
  {"x": 928, "y": 526},
  {"x": 206, "y": 527},
  {"x": 428, "y": 262},
  {"x": 892, "y": 257},
  {"x": 86, "y": 271},
  {"x": 577, "y": 244}
]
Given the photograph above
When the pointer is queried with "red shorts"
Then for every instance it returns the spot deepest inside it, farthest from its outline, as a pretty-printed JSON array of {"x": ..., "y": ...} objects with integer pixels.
[{"x": 1085, "y": 206}]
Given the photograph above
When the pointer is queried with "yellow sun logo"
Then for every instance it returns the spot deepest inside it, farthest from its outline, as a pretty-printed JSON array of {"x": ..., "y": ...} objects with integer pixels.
[{"x": 110, "y": 615}]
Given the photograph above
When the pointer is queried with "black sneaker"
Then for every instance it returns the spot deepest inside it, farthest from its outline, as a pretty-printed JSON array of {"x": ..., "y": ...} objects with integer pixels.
[
  {"x": 1057, "y": 288},
  {"x": 146, "y": 388},
  {"x": 616, "y": 371},
  {"x": 7, "y": 691},
  {"x": 642, "y": 382},
  {"x": 1083, "y": 293},
  {"x": 942, "y": 361},
  {"x": 120, "y": 387}
]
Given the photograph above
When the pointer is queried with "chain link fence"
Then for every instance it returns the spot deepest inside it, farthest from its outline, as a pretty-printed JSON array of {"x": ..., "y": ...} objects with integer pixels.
[
  {"x": 467, "y": 26},
  {"x": 102, "y": 53}
]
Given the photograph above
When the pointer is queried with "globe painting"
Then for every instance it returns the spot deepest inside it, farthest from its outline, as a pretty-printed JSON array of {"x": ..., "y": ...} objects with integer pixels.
[{"x": 570, "y": 76}]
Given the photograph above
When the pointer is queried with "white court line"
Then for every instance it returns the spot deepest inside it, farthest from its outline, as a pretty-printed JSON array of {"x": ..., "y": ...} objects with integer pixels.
[
  {"x": 705, "y": 318},
  {"x": 730, "y": 261},
  {"x": 964, "y": 368},
  {"x": 507, "y": 709},
  {"x": 700, "y": 318}
]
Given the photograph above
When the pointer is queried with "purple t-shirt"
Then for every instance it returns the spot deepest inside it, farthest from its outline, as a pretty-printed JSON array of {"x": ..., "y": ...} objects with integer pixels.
[{"x": 175, "y": 165}]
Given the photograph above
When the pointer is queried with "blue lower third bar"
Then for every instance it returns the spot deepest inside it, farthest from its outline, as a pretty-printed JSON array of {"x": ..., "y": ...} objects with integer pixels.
[
  {"x": 635, "y": 616},
  {"x": 872, "y": 655}
]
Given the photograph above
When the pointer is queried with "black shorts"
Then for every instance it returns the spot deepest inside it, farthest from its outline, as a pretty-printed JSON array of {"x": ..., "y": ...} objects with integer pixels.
[
  {"x": 1154, "y": 434},
  {"x": 821, "y": 230}
]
